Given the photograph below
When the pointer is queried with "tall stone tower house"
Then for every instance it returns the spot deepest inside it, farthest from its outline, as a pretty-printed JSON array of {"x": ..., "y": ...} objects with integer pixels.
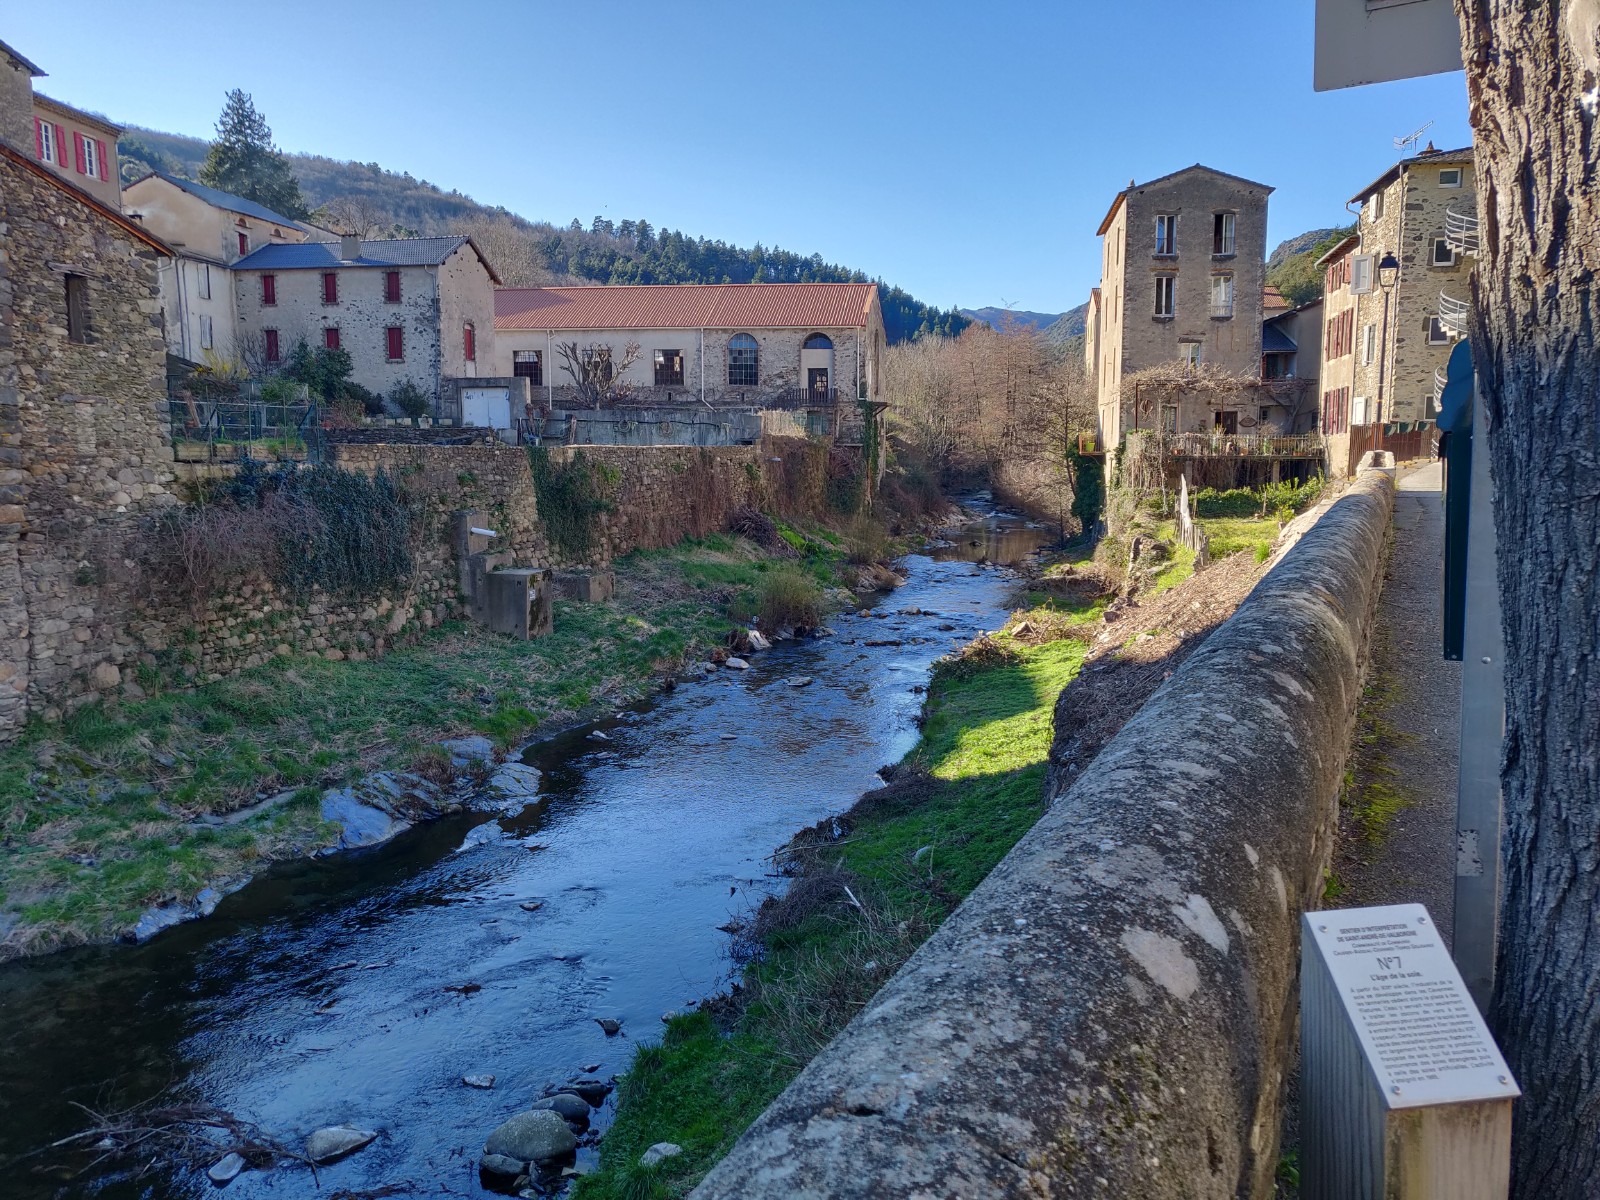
[{"x": 1183, "y": 265}]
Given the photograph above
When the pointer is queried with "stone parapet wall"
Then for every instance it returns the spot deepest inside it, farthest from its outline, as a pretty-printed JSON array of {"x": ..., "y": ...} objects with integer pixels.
[{"x": 1112, "y": 1011}]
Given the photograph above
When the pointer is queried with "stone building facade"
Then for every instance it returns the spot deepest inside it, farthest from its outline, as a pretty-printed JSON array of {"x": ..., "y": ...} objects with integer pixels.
[
  {"x": 83, "y": 440},
  {"x": 1338, "y": 372},
  {"x": 1183, "y": 267},
  {"x": 417, "y": 309},
  {"x": 79, "y": 146},
  {"x": 755, "y": 345}
]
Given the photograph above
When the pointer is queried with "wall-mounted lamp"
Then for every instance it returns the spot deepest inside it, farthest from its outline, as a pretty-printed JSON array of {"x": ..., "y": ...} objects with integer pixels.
[{"x": 1388, "y": 272}]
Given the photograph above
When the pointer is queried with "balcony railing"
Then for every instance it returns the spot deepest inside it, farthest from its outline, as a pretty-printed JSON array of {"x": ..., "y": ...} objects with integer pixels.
[
  {"x": 1461, "y": 231},
  {"x": 1453, "y": 315},
  {"x": 1241, "y": 445},
  {"x": 797, "y": 398},
  {"x": 1221, "y": 311},
  {"x": 1439, "y": 380}
]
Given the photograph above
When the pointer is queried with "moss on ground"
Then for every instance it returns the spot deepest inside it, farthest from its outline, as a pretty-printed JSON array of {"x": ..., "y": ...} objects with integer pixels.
[
  {"x": 971, "y": 788},
  {"x": 95, "y": 812}
]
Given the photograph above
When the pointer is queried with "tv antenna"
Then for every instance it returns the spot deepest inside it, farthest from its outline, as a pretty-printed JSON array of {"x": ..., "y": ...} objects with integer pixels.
[{"x": 1409, "y": 142}]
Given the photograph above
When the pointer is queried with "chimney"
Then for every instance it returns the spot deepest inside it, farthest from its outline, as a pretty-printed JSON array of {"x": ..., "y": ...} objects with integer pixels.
[
  {"x": 16, "y": 99},
  {"x": 350, "y": 247}
]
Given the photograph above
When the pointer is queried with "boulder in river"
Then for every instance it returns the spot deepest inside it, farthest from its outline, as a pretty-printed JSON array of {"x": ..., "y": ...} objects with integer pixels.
[
  {"x": 464, "y": 751},
  {"x": 737, "y": 664},
  {"x": 336, "y": 1141},
  {"x": 513, "y": 786},
  {"x": 359, "y": 824},
  {"x": 485, "y": 1082},
  {"x": 610, "y": 1025},
  {"x": 537, "y": 1135},
  {"x": 758, "y": 641},
  {"x": 502, "y": 1166},
  {"x": 594, "y": 1091},
  {"x": 658, "y": 1152},
  {"x": 800, "y": 681},
  {"x": 574, "y": 1110},
  {"x": 225, "y": 1170}
]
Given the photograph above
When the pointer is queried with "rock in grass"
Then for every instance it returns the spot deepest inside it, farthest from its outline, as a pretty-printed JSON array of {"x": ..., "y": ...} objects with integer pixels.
[
  {"x": 658, "y": 1152},
  {"x": 336, "y": 1141},
  {"x": 226, "y": 1169},
  {"x": 534, "y": 1136}
]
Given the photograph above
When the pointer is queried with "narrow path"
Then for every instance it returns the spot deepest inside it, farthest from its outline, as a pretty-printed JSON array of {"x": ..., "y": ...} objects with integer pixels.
[{"x": 1412, "y": 857}]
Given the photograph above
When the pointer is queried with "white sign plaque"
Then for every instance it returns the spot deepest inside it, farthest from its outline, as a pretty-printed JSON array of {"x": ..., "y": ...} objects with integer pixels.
[
  {"x": 1416, "y": 1022},
  {"x": 1375, "y": 41}
]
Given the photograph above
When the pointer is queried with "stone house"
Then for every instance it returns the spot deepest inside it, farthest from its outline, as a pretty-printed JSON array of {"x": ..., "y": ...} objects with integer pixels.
[
  {"x": 210, "y": 230},
  {"x": 752, "y": 345},
  {"x": 1338, "y": 373},
  {"x": 84, "y": 442},
  {"x": 406, "y": 309},
  {"x": 1291, "y": 359},
  {"x": 1183, "y": 268},
  {"x": 1423, "y": 210}
]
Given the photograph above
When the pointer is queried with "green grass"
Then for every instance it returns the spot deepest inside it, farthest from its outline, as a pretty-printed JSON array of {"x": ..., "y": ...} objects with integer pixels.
[
  {"x": 95, "y": 811},
  {"x": 1230, "y": 535},
  {"x": 1179, "y": 567},
  {"x": 976, "y": 780}
]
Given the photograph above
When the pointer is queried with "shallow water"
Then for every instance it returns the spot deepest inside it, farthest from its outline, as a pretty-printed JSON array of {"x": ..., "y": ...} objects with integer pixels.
[{"x": 317, "y": 995}]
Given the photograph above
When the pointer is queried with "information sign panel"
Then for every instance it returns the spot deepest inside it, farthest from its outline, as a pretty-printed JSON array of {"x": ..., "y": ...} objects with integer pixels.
[{"x": 1375, "y": 41}]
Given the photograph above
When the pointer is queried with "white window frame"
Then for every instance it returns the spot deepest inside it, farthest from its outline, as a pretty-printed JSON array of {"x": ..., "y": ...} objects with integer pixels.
[
  {"x": 1455, "y": 182},
  {"x": 1230, "y": 234},
  {"x": 47, "y": 142},
  {"x": 1167, "y": 223},
  {"x": 1222, "y": 286},
  {"x": 1358, "y": 411},
  {"x": 1369, "y": 344},
  {"x": 91, "y": 160},
  {"x": 1438, "y": 335},
  {"x": 1169, "y": 285},
  {"x": 1434, "y": 260},
  {"x": 1189, "y": 354},
  {"x": 1363, "y": 274}
]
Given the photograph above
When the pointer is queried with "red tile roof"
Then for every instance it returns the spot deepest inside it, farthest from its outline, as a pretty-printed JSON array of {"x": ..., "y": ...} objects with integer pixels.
[{"x": 686, "y": 306}]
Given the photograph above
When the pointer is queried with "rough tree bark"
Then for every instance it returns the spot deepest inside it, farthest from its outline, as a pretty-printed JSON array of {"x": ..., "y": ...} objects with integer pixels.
[{"x": 1529, "y": 66}]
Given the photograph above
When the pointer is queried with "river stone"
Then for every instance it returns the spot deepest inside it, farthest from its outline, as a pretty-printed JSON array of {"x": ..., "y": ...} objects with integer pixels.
[
  {"x": 800, "y": 681},
  {"x": 571, "y": 1108},
  {"x": 154, "y": 920},
  {"x": 335, "y": 1141},
  {"x": 758, "y": 640},
  {"x": 533, "y": 1136},
  {"x": 737, "y": 664},
  {"x": 594, "y": 1091},
  {"x": 609, "y": 1025},
  {"x": 464, "y": 751},
  {"x": 359, "y": 824},
  {"x": 481, "y": 835},
  {"x": 513, "y": 785},
  {"x": 661, "y": 1150},
  {"x": 501, "y": 1165},
  {"x": 226, "y": 1169},
  {"x": 478, "y": 1081}
]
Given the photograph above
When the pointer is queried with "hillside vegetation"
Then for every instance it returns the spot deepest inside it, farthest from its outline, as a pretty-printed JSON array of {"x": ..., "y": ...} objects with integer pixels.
[
  {"x": 530, "y": 253},
  {"x": 1292, "y": 267}
]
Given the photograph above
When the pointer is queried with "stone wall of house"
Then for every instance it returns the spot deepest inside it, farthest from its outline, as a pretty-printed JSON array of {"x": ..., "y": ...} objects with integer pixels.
[{"x": 83, "y": 442}]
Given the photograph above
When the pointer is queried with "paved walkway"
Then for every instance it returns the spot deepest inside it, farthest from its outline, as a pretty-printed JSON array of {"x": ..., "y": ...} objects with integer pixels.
[{"x": 1416, "y": 861}]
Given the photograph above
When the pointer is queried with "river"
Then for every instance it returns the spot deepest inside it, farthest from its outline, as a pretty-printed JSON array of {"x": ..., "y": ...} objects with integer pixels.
[{"x": 319, "y": 994}]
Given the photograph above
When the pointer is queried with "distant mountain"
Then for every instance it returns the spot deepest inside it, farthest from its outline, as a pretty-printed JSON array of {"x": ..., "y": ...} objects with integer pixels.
[
  {"x": 527, "y": 252},
  {"x": 1013, "y": 318},
  {"x": 1292, "y": 267},
  {"x": 1071, "y": 324},
  {"x": 1302, "y": 243}
]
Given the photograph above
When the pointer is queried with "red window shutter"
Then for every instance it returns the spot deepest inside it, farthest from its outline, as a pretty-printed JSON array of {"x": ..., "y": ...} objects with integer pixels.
[
  {"x": 330, "y": 287},
  {"x": 38, "y": 138},
  {"x": 61, "y": 147},
  {"x": 397, "y": 344},
  {"x": 469, "y": 342},
  {"x": 77, "y": 154},
  {"x": 391, "y": 287},
  {"x": 269, "y": 289},
  {"x": 330, "y": 337},
  {"x": 272, "y": 345},
  {"x": 100, "y": 158}
]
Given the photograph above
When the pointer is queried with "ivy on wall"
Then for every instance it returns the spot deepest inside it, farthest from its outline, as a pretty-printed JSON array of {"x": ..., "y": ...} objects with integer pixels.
[{"x": 571, "y": 497}]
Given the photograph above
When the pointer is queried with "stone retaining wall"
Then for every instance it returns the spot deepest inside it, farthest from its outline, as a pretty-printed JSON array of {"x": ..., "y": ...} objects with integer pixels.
[{"x": 1111, "y": 1012}]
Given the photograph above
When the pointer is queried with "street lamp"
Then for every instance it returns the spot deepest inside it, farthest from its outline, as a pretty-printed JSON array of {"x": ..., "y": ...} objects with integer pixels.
[
  {"x": 1388, "y": 277},
  {"x": 1388, "y": 272}
]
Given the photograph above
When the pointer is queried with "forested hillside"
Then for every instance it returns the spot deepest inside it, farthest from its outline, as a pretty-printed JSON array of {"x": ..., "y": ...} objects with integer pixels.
[
  {"x": 525, "y": 252},
  {"x": 1292, "y": 267}
]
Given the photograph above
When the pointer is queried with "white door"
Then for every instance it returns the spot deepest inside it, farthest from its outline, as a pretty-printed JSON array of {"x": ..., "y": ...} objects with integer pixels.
[{"x": 489, "y": 407}]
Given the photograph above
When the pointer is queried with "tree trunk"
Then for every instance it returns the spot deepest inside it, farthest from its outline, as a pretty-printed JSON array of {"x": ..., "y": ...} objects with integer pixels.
[{"x": 1533, "y": 343}]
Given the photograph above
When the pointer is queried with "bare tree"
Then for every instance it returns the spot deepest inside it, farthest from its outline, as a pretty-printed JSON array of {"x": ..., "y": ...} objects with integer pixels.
[
  {"x": 596, "y": 374},
  {"x": 358, "y": 215},
  {"x": 513, "y": 250},
  {"x": 1533, "y": 84}
]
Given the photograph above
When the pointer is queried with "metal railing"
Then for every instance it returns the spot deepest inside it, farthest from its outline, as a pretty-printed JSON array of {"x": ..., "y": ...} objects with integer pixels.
[
  {"x": 1440, "y": 378},
  {"x": 800, "y": 397},
  {"x": 1461, "y": 231},
  {"x": 1453, "y": 315},
  {"x": 1240, "y": 445},
  {"x": 210, "y": 430}
]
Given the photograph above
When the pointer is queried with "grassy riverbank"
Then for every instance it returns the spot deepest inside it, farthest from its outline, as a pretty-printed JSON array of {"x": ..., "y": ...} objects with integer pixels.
[
  {"x": 857, "y": 908},
  {"x": 96, "y": 813}
]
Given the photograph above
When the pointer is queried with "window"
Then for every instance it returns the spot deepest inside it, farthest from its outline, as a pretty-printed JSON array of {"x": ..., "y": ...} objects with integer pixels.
[
  {"x": 818, "y": 341},
  {"x": 1376, "y": 206},
  {"x": 269, "y": 288},
  {"x": 1438, "y": 335},
  {"x": 391, "y": 287},
  {"x": 525, "y": 365},
  {"x": 330, "y": 337},
  {"x": 469, "y": 343},
  {"x": 1358, "y": 411},
  {"x": 1166, "y": 234},
  {"x": 1164, "y": 289},
  {"x": 89, "y": 156},
  {"x": 1337, "y": 334},
  {"x": 1362, "y": 273},
  {"x": 395, "y": 343},
  {"x": 1369, "y": 344},
  {"x": 77, "y": 308},
  {"x": 1222, "y": 296},
  {"x": 330, "y": 287},
  {"x": 1336, "y": 410},
  {"x": 669, "y": 368},
  {"x": 1450, "y": 177},
  {"x": 205, "y": 332},
  {"x": 1189, "y": 354},
  {"x": 744, "y": 361},
  {"x": 274, "y": 351},
  {"x": 44, "y": 137},
  {"x": 203, "y": 281},
  {"x": 244, "y": 244},
  {"x": 1222, "y": 229},
  {"x": 1444, "y": 254}
]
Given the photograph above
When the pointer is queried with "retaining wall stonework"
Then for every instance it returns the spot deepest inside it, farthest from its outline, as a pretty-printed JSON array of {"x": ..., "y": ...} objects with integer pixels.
[{"x": 1110, "y": 1013}]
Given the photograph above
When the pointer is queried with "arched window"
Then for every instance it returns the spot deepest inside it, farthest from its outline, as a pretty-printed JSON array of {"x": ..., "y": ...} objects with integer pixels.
[
  {"x": 744, "y": 361},
  {"x": 819, "y": 341}
]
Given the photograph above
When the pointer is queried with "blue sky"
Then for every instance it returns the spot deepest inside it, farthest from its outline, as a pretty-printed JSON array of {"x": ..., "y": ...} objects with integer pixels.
[{"x": 965, "y": 151}]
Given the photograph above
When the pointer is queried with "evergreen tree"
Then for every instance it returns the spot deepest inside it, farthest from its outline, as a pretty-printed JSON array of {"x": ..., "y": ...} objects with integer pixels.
[{"x": 244, "y": 161}]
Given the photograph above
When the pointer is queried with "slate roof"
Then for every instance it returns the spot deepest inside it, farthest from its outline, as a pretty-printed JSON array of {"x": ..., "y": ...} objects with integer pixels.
[
  {"x": 686, "y": 306},
  {"x": 1276, "y": 341},
  {"x": 1116, "y": 202},
  {"x": 32, "y": 68},
  {"x": 218, "y": 198},
  {"x": 379, "y": 252}
]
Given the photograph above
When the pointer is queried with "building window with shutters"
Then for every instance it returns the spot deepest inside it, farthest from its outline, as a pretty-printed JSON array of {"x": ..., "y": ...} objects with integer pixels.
[
  {"x": 469, "y": 342},
  {"x": 330, "y": 337},
  {"x": 391, "y": 287},
  {"x": 744, "y": 361},
  {"x": 273, "y": 349},
  {"x": 330, "y": 287},
  {"x": 205, "y": 332},
  {"x": 669, "y": 368},
  {"x": 88, "y": 164},
  {"x": 1221, "y": 297},
  {"x": 395, "y": 343},
  {"x": 44, "y": 136},
  {"x": 203, "y": 280},
  {"x": 244, "y": 244},
  {"x": 269, "y": 288},
  {"x": 525, "y": 364}
]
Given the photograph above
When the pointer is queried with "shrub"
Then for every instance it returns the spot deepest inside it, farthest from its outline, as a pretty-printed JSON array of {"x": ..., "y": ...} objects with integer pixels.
[
  {"x": 570, "y": 498},
  {"x": 790, "y": 597},
  {"x": 1256, "y": 502},
  {"x": 409, "y": 399},
  {"x": 752, "y": 523},
  {"x": 371, "y": 402},
  {"x": 866, "y": 541}
]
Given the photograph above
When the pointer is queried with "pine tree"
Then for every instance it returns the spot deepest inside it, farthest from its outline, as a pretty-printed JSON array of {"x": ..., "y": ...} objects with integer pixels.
[{"x": 244, "y": 161}]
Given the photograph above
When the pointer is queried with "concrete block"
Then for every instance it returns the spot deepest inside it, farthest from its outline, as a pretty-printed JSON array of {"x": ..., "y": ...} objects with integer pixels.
[
  {"x": 587, "y": 587},
  {"x": 518, "y": 603}
]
